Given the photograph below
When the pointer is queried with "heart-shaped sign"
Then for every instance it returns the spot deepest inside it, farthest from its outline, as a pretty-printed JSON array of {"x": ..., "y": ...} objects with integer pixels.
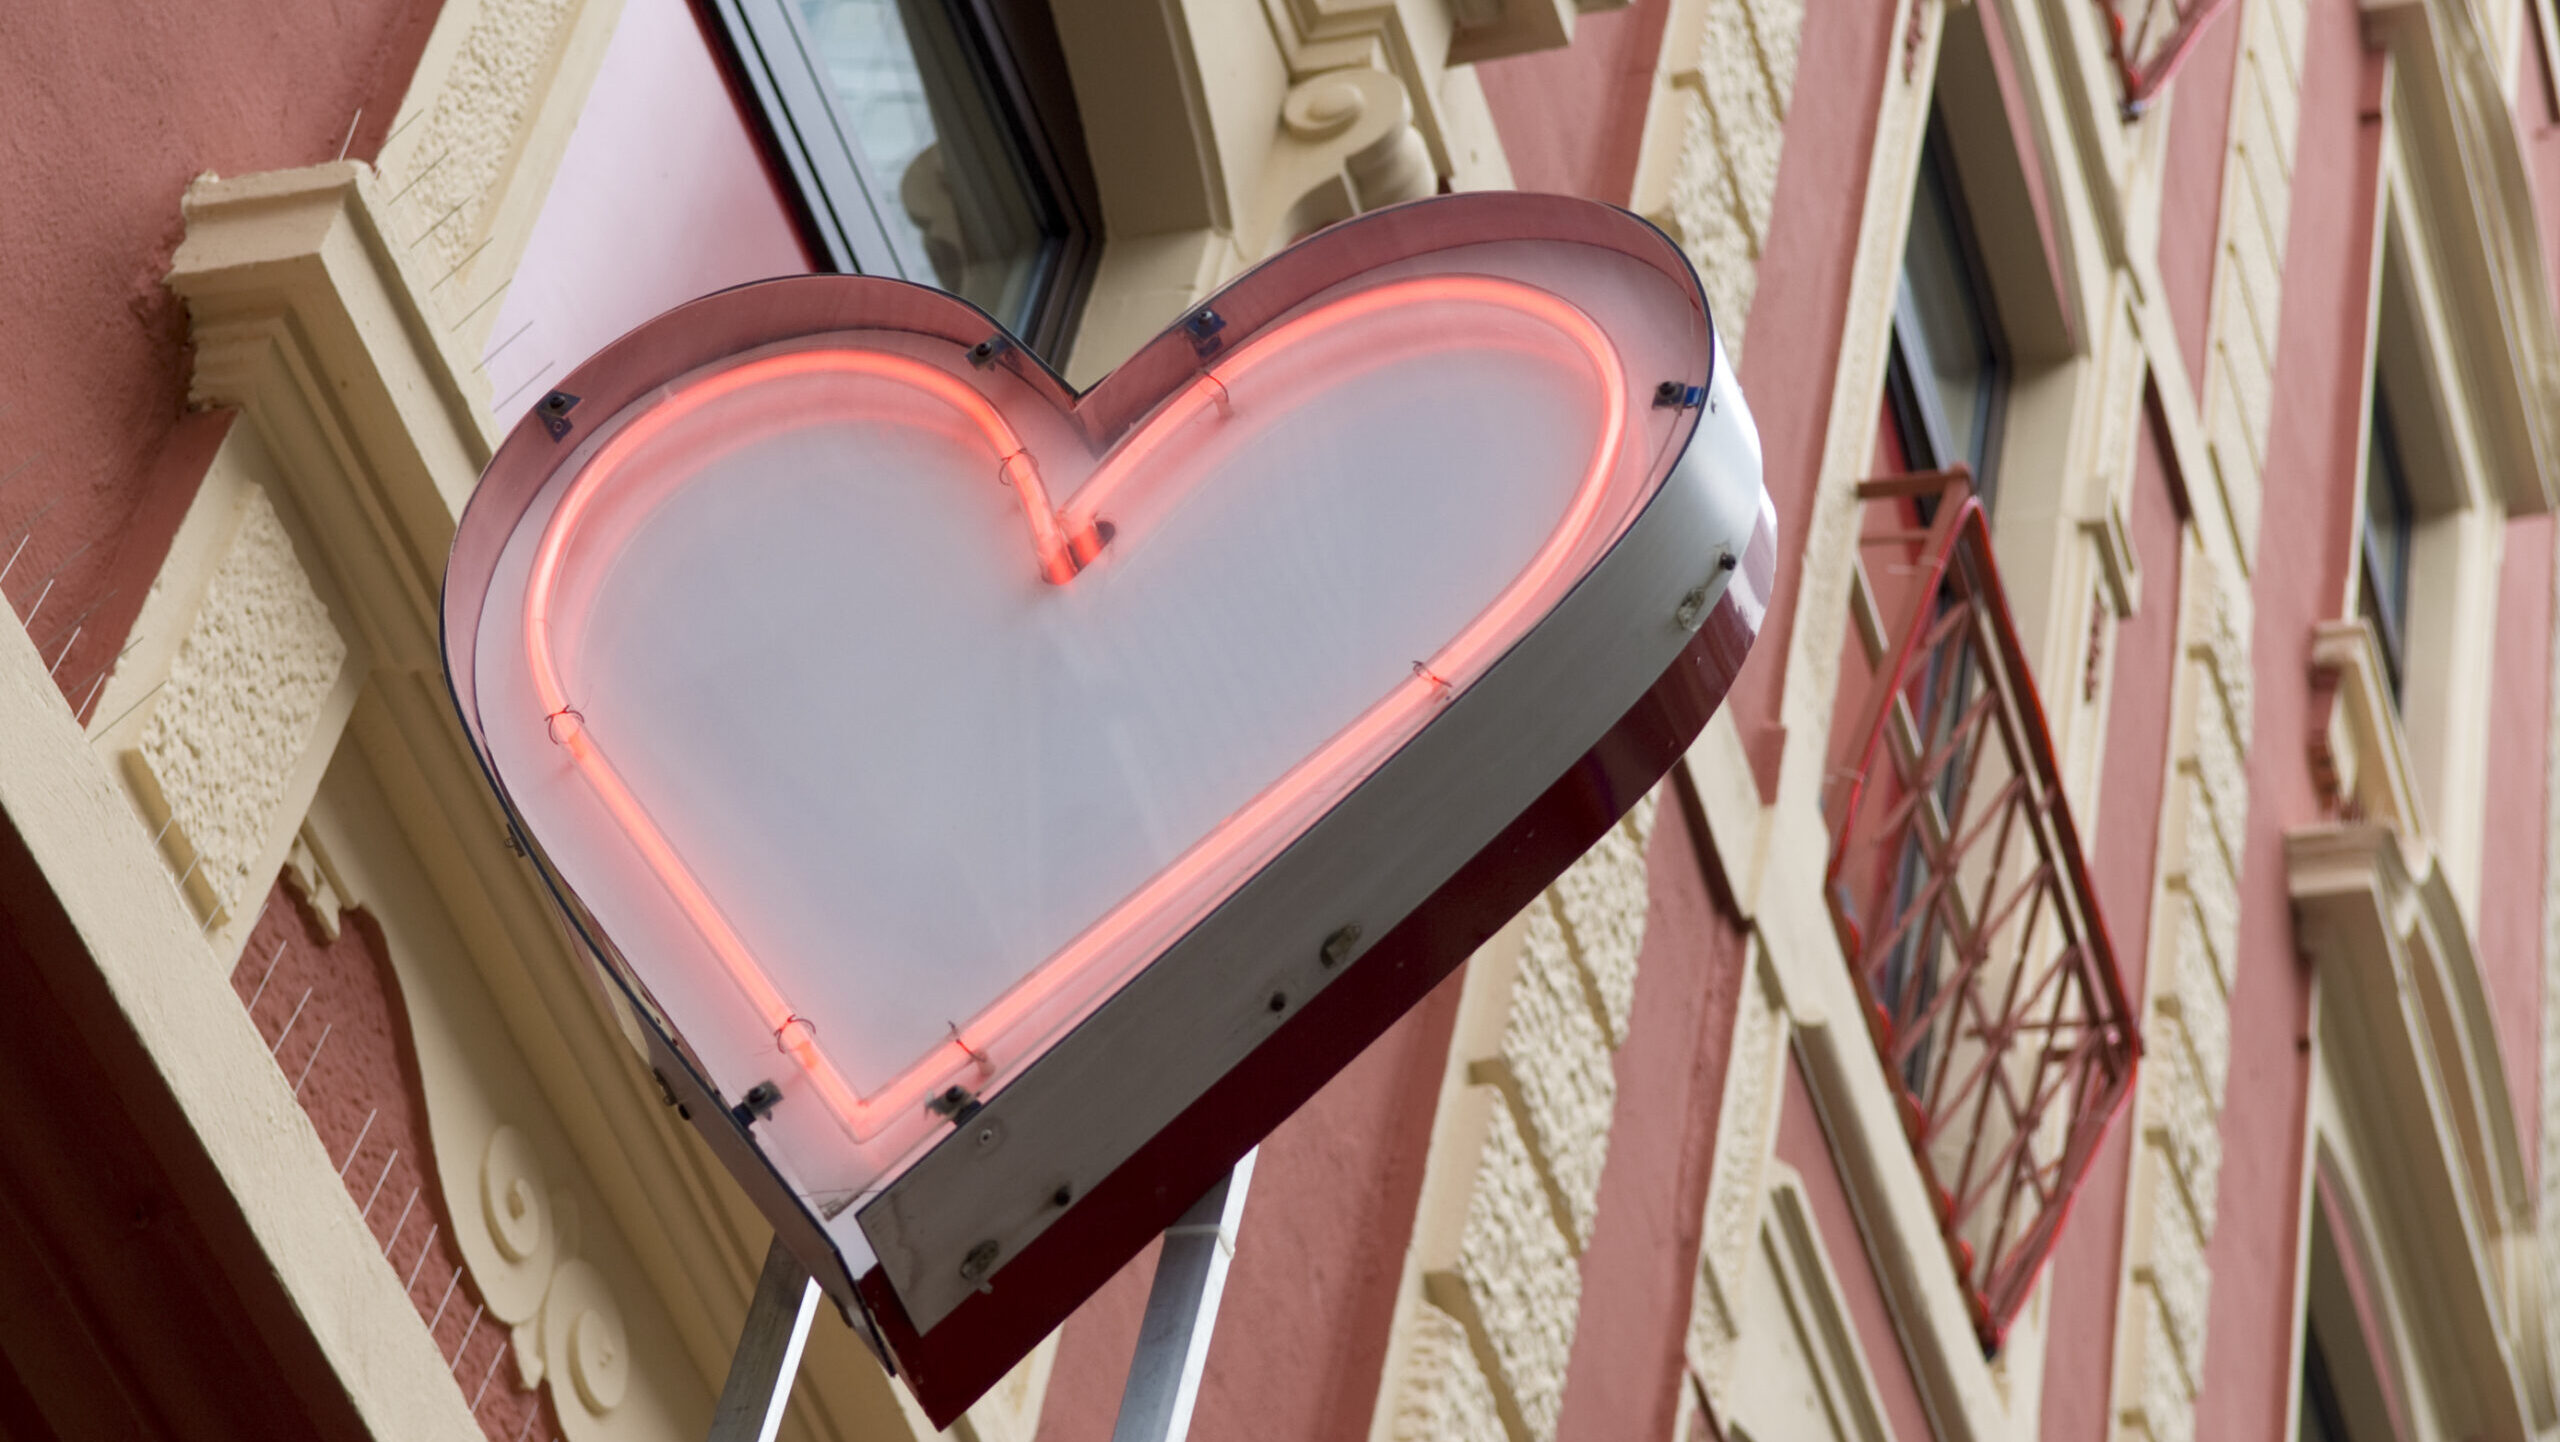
[{"x": 904, "y": 728}]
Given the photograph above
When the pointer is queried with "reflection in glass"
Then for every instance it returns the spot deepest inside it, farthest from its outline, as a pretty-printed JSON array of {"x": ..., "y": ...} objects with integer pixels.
[{"x": 948, "y": 179}]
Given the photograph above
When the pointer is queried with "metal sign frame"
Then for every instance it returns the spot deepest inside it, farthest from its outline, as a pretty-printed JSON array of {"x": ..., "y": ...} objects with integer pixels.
[{"x": 1041, "y": 1190}]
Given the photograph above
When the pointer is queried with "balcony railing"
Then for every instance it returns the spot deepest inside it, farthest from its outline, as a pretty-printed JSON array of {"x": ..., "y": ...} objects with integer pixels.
[
  {"x": 2150, "y": 39},
  {"x": 1962, "y": 898}
]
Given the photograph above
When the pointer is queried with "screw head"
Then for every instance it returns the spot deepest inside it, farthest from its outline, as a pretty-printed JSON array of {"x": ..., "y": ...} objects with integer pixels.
[{"x": 1279, "y": 1002}]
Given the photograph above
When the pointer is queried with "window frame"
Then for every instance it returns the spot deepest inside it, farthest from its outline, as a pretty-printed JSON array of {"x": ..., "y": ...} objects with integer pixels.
[
  {"x": 1016, "y": 57},
  {"x": 1927, "y": 432}
]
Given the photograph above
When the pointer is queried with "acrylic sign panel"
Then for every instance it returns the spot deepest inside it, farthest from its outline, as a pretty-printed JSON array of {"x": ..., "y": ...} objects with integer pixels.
[{"x": 882, "y": 708}]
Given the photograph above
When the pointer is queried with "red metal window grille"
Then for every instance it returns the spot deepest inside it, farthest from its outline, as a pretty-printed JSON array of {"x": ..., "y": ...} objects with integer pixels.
[
  {"x": 1961, "y": 896},
  {"x": 2150, "y": 39}
]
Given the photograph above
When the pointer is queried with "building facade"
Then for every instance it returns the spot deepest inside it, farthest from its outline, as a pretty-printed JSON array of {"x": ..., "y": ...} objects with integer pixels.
[{"x": 2092, "y": 980}]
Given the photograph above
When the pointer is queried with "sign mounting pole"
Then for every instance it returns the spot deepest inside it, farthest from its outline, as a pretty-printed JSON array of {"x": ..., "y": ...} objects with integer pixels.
[
  {"x": 768, "y": 1355},
  {"x": 1182, "y": 1309}
]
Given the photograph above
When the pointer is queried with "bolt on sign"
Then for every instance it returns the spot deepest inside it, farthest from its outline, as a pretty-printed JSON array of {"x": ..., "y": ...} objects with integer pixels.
[{"x": 1003, "y": 805}]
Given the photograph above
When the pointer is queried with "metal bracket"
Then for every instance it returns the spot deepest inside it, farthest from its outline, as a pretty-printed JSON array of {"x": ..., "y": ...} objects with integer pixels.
[
  {"x": 768, "y": 1355},
  {"x": 1182, "y": 1308}
]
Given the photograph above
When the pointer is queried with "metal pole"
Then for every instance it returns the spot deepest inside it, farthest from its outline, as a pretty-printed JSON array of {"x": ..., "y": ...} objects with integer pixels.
[
  {"x": 1173, "y": 1342},
  {"x": 768, "y": 1354}
]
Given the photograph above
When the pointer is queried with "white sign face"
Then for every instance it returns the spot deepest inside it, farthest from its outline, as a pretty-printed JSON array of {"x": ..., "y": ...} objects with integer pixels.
[{"x": 887, "y": 720}]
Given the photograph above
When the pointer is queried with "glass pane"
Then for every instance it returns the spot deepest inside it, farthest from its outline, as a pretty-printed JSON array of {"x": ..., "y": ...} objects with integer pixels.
[
  {"x": 1953, "y": 342},
  {"x": 950, "y": 187},
  {"x": 2387, "y": 516}
]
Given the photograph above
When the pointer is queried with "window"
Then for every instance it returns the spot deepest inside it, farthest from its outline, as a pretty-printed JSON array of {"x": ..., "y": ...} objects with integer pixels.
[
  {"x": 932, "y": 140},
  {"x": 1945, "y": 378},
  {"x": 1947, "y": 374},
  {"x": 2389, "y": 533}
]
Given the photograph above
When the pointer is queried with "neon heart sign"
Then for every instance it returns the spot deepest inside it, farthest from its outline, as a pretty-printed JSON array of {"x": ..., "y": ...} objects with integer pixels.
[{"x": 921, "y": 743}]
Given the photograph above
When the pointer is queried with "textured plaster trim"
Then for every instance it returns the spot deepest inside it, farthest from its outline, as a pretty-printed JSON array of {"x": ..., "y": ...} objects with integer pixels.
[
  {"x": 467, "y": 291},
  {"x": 2173, "y": 1192},
  {"x": 1513, "y": 1282},
  {"x": 1707, "y": 167},
  {"x": 254, "y": 692},
  {"x": 488, "y": 114},
  {"x": 1460, "y": 1115},
  {"x": 1554, "y": 1072},
  {"x": 100, "y": 864},
  {"x": 1446, "y": 1397}
]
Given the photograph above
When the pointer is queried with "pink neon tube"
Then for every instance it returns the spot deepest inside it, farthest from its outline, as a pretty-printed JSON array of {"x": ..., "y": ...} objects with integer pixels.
[{"x": 1064, "y": 541}]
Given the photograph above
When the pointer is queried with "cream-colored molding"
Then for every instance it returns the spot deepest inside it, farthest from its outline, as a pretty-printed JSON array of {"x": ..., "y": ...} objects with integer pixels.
[
  {"x": 1313, "y": 117},
  {"x": 1418, "y": 42},
  {"x": 2396, "y": 995},
  {"x": 2359, "y": 760},
  {"x": 2481, "y": 213},
  {"x": 2173, "y": 1187},
  {"x": 1747, "y": 1114},
  {"x": 1346, "y": 144},
  {"x": 2416, "y": 355},
  {"x": 153, "y": 966},
  {"x": 533, "y": 1231},
  {"x": 476, "y": 141},
  {"x": 1803, "y": 1347},
  {"x": 1716, "y": 770},
  {"x": 2546, "y": 29},
  {"x": 307, "y": 317},
  {"x": 2472, "y": 185}
]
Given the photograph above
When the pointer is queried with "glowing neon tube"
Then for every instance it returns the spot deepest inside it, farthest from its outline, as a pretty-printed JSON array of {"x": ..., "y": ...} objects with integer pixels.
[{"x": 1063, "y": 542}]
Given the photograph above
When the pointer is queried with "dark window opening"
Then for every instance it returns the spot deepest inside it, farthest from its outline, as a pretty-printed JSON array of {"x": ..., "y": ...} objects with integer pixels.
[
  {"x": 2389, "y": 529},
  {"x": 931, "y": 140},
  {"x": 1947, "y": 373}
]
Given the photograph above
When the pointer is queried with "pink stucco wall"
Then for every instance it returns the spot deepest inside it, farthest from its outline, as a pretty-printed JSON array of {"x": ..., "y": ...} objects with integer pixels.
[
  {"x": 2124, "y": 840},
  {"x": 105, "y": 115},
  {"x": 1628, "y": 1364},
  {"x": 2199, "y": 101},
  {"x": 2308, "y": 523},
  {"x": 1572, "y": 120},
  {"x": 2512, "y": 864}
]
